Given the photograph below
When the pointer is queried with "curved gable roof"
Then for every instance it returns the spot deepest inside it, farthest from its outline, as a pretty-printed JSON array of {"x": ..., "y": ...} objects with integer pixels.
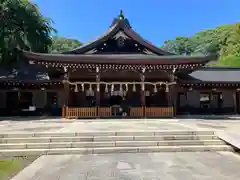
[{"x": 117, "y": 26}]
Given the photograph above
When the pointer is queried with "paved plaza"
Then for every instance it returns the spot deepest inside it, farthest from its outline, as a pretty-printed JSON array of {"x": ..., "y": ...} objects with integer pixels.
[
  {"x": 148, "y": 166},
  {"x": 167, "y": 166},
  {"x": 61, "y": 125}
]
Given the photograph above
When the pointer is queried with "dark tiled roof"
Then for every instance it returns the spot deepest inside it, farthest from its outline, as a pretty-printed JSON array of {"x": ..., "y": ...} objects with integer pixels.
[
  {"x": 117, "y": 58},
  {"x": 217, "y": 74},
  {"x": 119, "y": 25},
  {"x": 89, "y": 45}
]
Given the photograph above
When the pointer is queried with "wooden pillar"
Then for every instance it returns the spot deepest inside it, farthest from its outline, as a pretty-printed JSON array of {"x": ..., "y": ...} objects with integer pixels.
[
  {"x": 142, "y": 77},
  {"x": 66, "y": 91},
  {"x": 173, "y": 92},
  {"x": 235, "y": 102},
  {"x": 98, "y": 89},
  {"x": 143, "y": 100},
  {"x": 170, "y": 95},
  {"x": 142, "y": 90},
  {"x": 173, "y": 95},
  {"x": 172, "y": 88},
  {"x": 167, "y": 93}
]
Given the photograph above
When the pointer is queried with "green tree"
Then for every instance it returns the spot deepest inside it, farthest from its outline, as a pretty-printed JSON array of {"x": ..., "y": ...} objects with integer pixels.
[
  {"x": 22, "y": 26},
  {"x": 230, "y": 52},
  {"x": 223, "y": 40},
  {"x": 180, "y": 45},
  {"x": 204, "y": 42},
  {"x": 62, "y": 44},
  {"x": 211, "y": 41}
]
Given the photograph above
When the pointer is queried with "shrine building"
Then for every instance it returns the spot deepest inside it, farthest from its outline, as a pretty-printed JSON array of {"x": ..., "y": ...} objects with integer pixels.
[{"x": 120, "y": 74}]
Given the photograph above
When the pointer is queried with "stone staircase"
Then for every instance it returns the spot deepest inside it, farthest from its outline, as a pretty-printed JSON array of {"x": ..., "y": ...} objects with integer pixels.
[{"x": 109, "y": 142}]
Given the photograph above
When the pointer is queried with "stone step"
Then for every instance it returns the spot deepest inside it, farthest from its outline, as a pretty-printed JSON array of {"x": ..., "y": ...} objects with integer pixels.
[
  {"x": 106, "y": 138},
  {"x": 106, "y": 150},
  {"x": 109, "y": 144},
  {"x": 103, "y": 133}
]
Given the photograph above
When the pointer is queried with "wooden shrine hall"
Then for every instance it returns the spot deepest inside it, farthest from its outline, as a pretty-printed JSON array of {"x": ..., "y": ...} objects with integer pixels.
[{"x": 122, "y": 75}]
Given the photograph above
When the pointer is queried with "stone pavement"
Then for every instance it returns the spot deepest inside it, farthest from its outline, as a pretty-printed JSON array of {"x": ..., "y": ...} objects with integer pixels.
[
  {"x": 148, "y": 166},
  {"x": 87, "y": 125},
  {"x": 227, "y": 130},
  {"x": 60, "y": 125},
  {"x": 31, "y": 126},
  {"x": 209, "y": 165}
]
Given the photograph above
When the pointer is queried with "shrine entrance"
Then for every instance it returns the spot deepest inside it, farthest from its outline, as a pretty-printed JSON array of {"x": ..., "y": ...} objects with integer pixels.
[
  {"x": 115, "y": 100},
  {"x": 120, "y": 99},
  {"x": 118, "y": 103}
]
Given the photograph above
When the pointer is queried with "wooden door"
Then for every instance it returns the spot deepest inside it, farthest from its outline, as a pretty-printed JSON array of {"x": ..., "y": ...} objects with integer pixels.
[
  {"x": 12, "y": 103},
  {"x": 182, "y": 103},
  {"x": 238, "y": 102},
  {"x": 52, "y": 106}
]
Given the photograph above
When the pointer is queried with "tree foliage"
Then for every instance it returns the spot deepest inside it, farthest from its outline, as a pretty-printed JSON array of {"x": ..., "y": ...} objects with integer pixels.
[
  {"x": 230, "y": 53},
  {"x": 181, "y": 45},
  {"x": 61, "y": 44},
  {"x": 22, "y": 26},
  {"x": 223, "y": 40}
]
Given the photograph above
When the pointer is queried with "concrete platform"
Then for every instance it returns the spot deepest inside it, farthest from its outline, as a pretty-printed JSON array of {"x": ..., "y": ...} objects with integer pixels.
[
  {"x": 148, "y": 166},
  {"x": 174, "y": 165},
  {"x": 60, "y": 125},
  {"x": 228, "y": 129}
]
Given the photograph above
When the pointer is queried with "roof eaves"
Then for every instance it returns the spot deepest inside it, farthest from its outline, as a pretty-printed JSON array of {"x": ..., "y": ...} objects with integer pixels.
[
  {"x": 134, "y": 35},
  {"x": 220, "y": 69}
]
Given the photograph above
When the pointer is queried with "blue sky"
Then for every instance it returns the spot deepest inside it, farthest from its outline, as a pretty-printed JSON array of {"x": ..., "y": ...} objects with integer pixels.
[{"x": 155, "y": 20}]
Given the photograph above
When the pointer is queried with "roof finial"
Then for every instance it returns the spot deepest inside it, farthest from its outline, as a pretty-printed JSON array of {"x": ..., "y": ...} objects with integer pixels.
[{"x": 121, "y": 16}]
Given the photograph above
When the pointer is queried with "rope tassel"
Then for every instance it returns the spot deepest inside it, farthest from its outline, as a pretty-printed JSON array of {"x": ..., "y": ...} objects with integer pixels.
[
  {"x": 112, "y": 88},
  {"x": 155, "y": 88},
  {"x": 90, "y": 87},
  {"x": 98, "y": 87},
  {"x": 106, "y": 88},
  {"x": 143, "y": 86},
  {"x": 76, "y": 88},
  {"x": 134, "y": 88},
  {"x": 167, "y": 88},
  {"x": 121, "y": 88},
  {"x": 82, "y": 87},
  {"x": 126, "y": 85}
]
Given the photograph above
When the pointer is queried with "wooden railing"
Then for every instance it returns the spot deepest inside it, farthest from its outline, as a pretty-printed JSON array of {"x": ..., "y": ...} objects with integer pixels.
[
  {"x": 84, "y": 112},
  {"x": 137, "y": 112},
  {"x": 104, "y": 111},
  {"x": 159, "y": 112}
]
